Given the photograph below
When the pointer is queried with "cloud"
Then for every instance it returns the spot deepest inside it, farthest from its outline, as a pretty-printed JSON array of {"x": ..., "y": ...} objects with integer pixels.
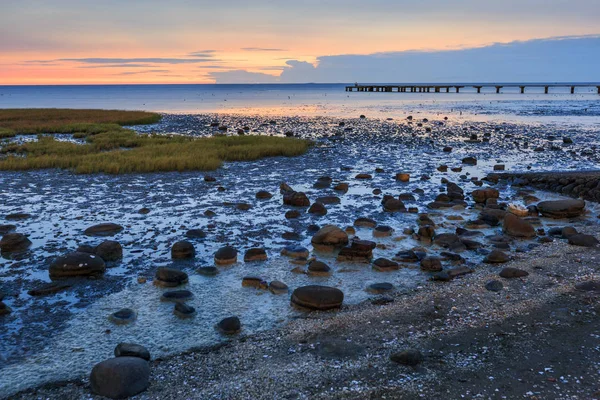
[
  {"x": 115, "y": 66},
  {"x": 260, "y": 49},
  {"x": 149, "y": 71},
  {"x": 156, "y": 60},
  {"x": 202, "y": 53},
  {"x": 241, "y": 76}
]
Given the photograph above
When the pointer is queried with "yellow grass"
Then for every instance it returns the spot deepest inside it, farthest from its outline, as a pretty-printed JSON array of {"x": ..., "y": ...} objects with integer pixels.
[{"x": 112, "y": 149}]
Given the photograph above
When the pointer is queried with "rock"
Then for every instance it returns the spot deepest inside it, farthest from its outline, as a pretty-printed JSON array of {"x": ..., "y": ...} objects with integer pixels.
[
  {"x": 254, "y": 282},
  {"x": 184, "y": 311},
  {"x": 358, "y": 251},
  {"x": 123, "y": 316},
  {"x": 277, "y": 287},
  {"x": 230, "y": 325},
  {"x": 365, "y": 222},
  {"x": 263, "y": 195},
  {"x": 408, "y": 357},
  {"x": 383, "y": 231},
  {"x": 458, "y": 271},
  {"x": 317, "y": 209},
  {"x": 144, "y": 211},
  {"x": 77, "y": 264},
  {"x": 4, "y": 309},
  {"x": 329, "y": 238},
  {"x": 469, "y": 161},
  {"x": 323, "y": 182},
  {"x": 14, "y": 243},
  {"x": 447, "y": 149},
  {"x": 341, "y": 187},
  {"x": 510, "y": 272},
  {"x": 226, "y": 255},
  {"x": 517, "y": 227},
  {"x": 107, "y": 229},
  {"x": 291, "y": 236},
  {"x": 285, "y": 188},
  {"x": 243, "y": 206},
  {"x": 208, "y": 271},
  {"x": 109, "y": 251},
  {"x": 561, "y": 208},
  {"x": 316, "y": 297},
  {"x": 496, "y": 257},
  {"x": 380, "y": 288},
  {"x": 583, "y": 240},
  {"x": 132, "y": 350},
  {"x": 4, "y": 229},
  {"x": 431, "y": 264},
  {"x": 394, "y": 205},
  {"x": 426, "y": 233},
  {"x": 402, "y": 177},
  {"x": 176, "y": 295},
  {"x": 407, "y": 256},
  {"x": 446, "y": 240},
  {"x": 208, "y": 178},
  {"x": 588, "y": 286},
  {"x": 318, "y": 268},
  {"x": 363, "y": 176},
  {"x": 385, "y": 265},
  {"x": 292, "y": 214},
  {"x": 195, "y": 234},
  {"x": 568, "y": 231},
  {"x": 294, "y": 251},
  {"x": 296, "y": 199},
  {"x": 17, "y": 216},
  {"x": 481, "y": 195},
  {"x": 47, "y": 289},
  {"x": 120, "y": 377},
  {"x": 329, "y": 200},
  {"x": 494, "y": 286},
  {"x": 255, "y": 254},
  {"x": 169, "y": 277}
]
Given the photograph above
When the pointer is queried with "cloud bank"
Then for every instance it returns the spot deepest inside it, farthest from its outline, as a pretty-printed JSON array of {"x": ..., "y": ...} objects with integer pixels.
[{"x": 540, "y": 60}]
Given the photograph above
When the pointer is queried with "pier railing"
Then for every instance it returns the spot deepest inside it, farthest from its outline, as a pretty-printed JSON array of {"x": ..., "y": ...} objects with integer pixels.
[{"x": 440, "y": 88}]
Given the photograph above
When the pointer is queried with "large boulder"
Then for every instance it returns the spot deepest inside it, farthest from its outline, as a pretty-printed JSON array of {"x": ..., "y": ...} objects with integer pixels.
[
  {"x": 255, "y": 254},
  {"x": 14, "y": 243},
  {"x": 358, "y": 251},
  {"x": 132, "y": 350},
  {"x": 296, "y": 199},
  {"x": 315, "y": 297},
  {"x": 517, "y": 227},
  {"x": 169, "y": 277},
  {"x": 182, "y": 250},
  {"x": 120, "y": 377},
  {"x": 107, "y": 229},
  {"x": 580, "y": 239},
  {"x": 77, "y": 264},
  {"x": 561, "y": 208},
  {"x": 329, "y": 238},
  {"x": 481, "y": 195},
  {"x": 226, "y": 255}
]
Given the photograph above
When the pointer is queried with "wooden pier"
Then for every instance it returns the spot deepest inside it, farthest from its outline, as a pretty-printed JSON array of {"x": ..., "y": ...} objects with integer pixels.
[{"x": 441, "y": 88}]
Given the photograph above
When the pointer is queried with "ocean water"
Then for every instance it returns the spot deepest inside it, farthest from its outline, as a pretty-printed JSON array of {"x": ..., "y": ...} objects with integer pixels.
[{"x": 331, "y": 100}]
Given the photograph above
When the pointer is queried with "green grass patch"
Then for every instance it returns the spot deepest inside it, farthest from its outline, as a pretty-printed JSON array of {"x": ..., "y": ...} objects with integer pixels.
[{"x": 109, "y": 148}]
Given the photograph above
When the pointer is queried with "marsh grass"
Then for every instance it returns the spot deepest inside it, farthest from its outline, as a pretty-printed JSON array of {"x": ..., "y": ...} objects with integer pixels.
[{"x": 109, "y": 148}]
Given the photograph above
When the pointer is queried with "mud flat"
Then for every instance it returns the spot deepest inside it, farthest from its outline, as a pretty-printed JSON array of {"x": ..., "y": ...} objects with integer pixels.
[{"x": 394, "y": 213}]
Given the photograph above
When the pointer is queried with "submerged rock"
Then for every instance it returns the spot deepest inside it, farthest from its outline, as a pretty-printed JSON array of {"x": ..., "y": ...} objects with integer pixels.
[
  {"x": 14, "y": 243},
  {"x": 77, "y": 264},
  {"x": 169, "y": 277},
  {"x": 316, "y": 297},
  {"x": 123, "y": 316},
  {"x": 109, "y": 251},
  {"x": 107, "y": 229},
  {"x": 132, "y": 350}
]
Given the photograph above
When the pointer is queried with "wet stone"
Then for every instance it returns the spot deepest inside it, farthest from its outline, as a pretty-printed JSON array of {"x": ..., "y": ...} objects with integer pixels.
[
  {"x": 583, "y": 240},
  {"x": 184, "y": 311},
  {"x": 365, "y": 222},
  {"x": 107, "y": 229},
  {"x": 123, "y": 316},
  {"x": 561, "y": 208},
  {"x": 195, "y": 234},
  {"x": 76, "y": 264},
  {"x": 4, "y": 229},
  {"x": 48, "y": 289},
  {"x": 255, "y": 254},
  {"x": 292, "y": 214},
  {"x": 317, "y": 209},
  {"x": 120, "y": 377},
  {"x": 329, "y": 238},
  {"x": 294, "y": 251},
  {"x": 383, "y": 231},
  {"x": 379, "y": 288},
  {"x": 277, "y": 287},
  {"x": 496, "y": 257},
  {"x": 315, "y": 297},
  {"x": 263, "y": 195},
  {"x": 409, "y": 357},
  {"x": 109, "y": 251},
  {"x": 17, "y": 216},
  {"x": 169, "y": 277},
  {"x": 329, "y": 200},
  {"x": 254, "y": 282},
  {"x": 296, "y": 199},
  {"x": 494, "y": 286},
  {"x": 510, "y": 272},
  {"x": 132, "y": 350},
  {"x": 14, "y": 243},
  {"x": 318, "y": 268},
  {"x": 176, "y": 295},
  {"x": 229, "y": 325},
  {"x": 208, "y": 271},
  {"x": 363, "y": 176},
  {"x": 385, "y": 265},
  {"x": 431, "y": 264},
  {"x": 588, "y": 286},
  {"x": 226, "y": 255}
]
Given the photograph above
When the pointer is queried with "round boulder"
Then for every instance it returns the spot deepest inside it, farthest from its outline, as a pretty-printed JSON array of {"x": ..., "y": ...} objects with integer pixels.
[
  {"x": 318, "y": 268},
  {"x": 183, "y": 250},
  {"x": 123, "y": 316},
  {"x": 408, "y": 357},
  {"x": 195, "y": 234},
  {"x": 169, "y": 277},
  {"x": 294, "y": 251},
  {"x": 120, "y": 377},
  {"x": 107, "y": 229},
  {"x": 496, "y": 257},
  {"x": 226, "y": 255},
  {"x": 517, "y": 227},
  {"x": 385, "y": 265},
  {"x": 277, "y": 287},
  {"x": 379, "y": 288},
  {"x": 109, "y": 251},
  {"x": 329, "y": 238},
  {"x": 14, "y": 243},
  {"x": 132, "y": 350},
  {"x": 229, "y": 325},
  {"x": 255, "y": 254},
  {"x": 315, "y": 297},
  {"x": 561, "y": 208},
  {"x": 77, "y": 264},
  {"x": 184, "y": 311}
]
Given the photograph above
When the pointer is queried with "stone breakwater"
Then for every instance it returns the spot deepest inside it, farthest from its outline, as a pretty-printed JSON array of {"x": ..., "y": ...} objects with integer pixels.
[{"x": 581, "y": 184}]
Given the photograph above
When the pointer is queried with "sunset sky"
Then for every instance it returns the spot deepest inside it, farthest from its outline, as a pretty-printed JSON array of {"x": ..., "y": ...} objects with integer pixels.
[{"x": 150, "y": 41}]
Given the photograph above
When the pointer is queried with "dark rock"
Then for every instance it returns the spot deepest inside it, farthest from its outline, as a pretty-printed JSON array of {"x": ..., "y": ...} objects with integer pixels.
[
  {"x": 496, "y": 257},
  {"x": 195, "y": 234},
  {"x": 292, "y": 214},
  {"x": 208, "y": 178},
  {"x": 230, "y": 325},
  {"x": 109, "y": 251},
  {"x": 107, "y": 229},
  {"x": 263, "y": 195},
  {"x": 316, "y": 297},
  {"x": 379, "y": 288},
  {"x": 123, "y": 316},
  {"x": 14, "y": 243},
  {"x": 363, "y": 176},
  {"x": 431, "y": 264},
  {"x": 176, "y": 295},
  {"x": 295, "y": 251},
  {"x": 317, "y": 209},
  {"x": 581, "y": 239},
  {"x": 144, "y": 211},
  {"x": 318, "y": 268},
  {"x": 132, "y": 350},
  {"x": 358, "y": 251},
  {"x": 226, "y": 255},
  {"x": 383, "y": 231},
  {"x": 184, "y": 311},
  {"x": 469, "y": 161},
  {"x": 481, "y": 195},
  {"x": 408, "y": 357},
  {"x": 277, "y": 287},
  {"x": 169, "y": 277},
  {"x": 120, "y": 377},
  {"x": 510, "y": 272},
  {"x": 384, "y": 265},
  {"x": 561, "y": 208},
  {"x": 255, "y": 254},
  {"x": 77, "y": 264},
  {"x": 329, "y": 238},
  {"x": 588, "y": 286},
  {"x": 394, "y": 205},
  {"x": 296, "y": 199},
  {"x": 4, "y": 229},
  {"x": 254, "y": 282},
  {"x": 517, "y": 227},
  {"x": 208, "y": 271},
  {"x": 494, "y": 286},
  {"x": 407, "y": 256},
  {"x": 329, "y": 200},
  {"x": 47, "y": 289},
  {"x": 365, "y": 222}
]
